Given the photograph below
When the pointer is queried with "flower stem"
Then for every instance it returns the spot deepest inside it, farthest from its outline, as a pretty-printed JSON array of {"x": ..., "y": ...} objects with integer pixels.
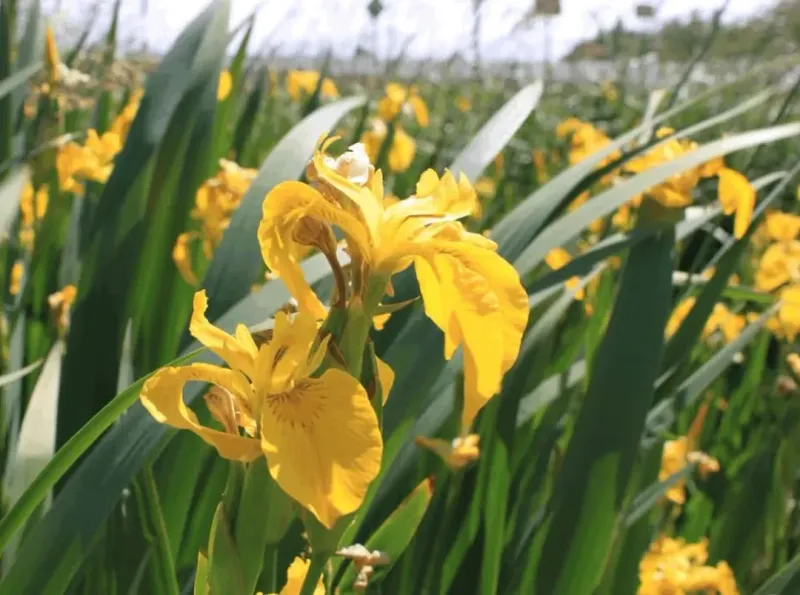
[{"x": 314, "y": 572}]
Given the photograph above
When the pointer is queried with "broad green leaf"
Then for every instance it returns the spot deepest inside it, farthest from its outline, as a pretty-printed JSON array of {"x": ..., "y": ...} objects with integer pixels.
[
  {"x": 495, "y": 134},
  {"x": 780, "y": 582},
  {"x": 39, "y": 488},
  {"x": 224, "y": 566},
  {"x": 593, "y": 479},
  {"x": 522, "y": 224},
  {"x": 663, "y": 415},
  {"x": 237, "y": 261},
  {"x": 396, "y": 532},
  {"x": 36, "y": 442}
]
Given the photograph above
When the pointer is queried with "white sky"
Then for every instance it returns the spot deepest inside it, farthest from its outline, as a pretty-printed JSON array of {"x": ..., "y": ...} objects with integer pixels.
[{"x": 437, "y": 28}]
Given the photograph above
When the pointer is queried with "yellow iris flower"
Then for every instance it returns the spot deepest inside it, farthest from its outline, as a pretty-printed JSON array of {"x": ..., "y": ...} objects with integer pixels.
[
  {"x": 674, "y": 567},
  {"x": 403, "y": 99},
  {"x": 468, "y": 290},
  {"x": 320, "y": 435}
]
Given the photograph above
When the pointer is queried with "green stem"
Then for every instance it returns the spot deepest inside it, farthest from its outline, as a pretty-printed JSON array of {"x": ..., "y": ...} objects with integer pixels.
[
  {"x": 160, "y": 538},
  {"x": 314, "y": 572}
]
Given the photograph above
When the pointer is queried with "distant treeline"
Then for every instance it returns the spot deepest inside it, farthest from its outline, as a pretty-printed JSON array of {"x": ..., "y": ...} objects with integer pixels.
[{"x": 774, "y": 32}]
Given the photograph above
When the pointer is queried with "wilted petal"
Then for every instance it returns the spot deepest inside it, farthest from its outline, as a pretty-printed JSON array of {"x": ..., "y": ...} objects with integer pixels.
[
  {"x": 162, "y": 396},
  {"x": 323, "y": 444}
]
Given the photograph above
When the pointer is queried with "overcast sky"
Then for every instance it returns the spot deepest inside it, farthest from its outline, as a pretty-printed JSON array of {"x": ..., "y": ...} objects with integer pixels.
[{"x": 437, "y": 28}]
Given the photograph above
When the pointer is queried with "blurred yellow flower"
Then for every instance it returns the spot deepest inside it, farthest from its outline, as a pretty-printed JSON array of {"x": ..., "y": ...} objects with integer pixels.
[
  {"x": 295, "y": 576},
  {"x": 403, "y": 99},
  {"x": 403, "y": 148},
  {"x": 486, "y": 186},
  {"x": 60, "y": 304},
  {"x": 558, "y": 258},
  {"x": 468, "y": 290},
  {"x": 781, "y": 227},
  {"x": 215, "y": 201},
  {"x": 676, "y": 191},
  {"x": 52, "y": 61},
  {"x": 585, "y": 139},
  {"x": 17, "y": 274},
  {"x": 320, "y": 435},
  {"x": 788, "y": 317},
  {"x": 673, "y": 567},
  {"x": 33, "y": 208},
  {"x": 780, "y": 264},
  {"x": 457, "y": 453},
  {"x": 225, "y": 85},
  {"x": 463, "y": 104},
  {"x": 302, "y": 83},
  {"x": 737, "y": 195}
]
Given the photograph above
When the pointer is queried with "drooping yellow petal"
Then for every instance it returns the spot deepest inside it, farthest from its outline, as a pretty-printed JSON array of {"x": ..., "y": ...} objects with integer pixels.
[
  {"x": 225, "y": 85},
  {"x": 475, "y": 297},
  {"x": 162, "y": 396},
  {"x": 385, "y": 377},
  {"x": 238, "y": 352},
  {"x": 736, "y": 194},
  {"x": 323, "y": 444}
]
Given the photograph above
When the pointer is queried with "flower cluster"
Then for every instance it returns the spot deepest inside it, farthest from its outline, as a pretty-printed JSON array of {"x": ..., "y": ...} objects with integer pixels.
[
  {"x": 397, "y": 100},
  {"x": 778, "y": 271},
  {"x": 674, "y": 567},
  {"x": 215, "y": 201},
  {"x": 94, "y": 159},
  {"x": 305, "y": 397}
]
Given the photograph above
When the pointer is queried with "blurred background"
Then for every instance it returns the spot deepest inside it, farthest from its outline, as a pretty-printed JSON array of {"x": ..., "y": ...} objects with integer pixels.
[{"x": 579, "y": 38}]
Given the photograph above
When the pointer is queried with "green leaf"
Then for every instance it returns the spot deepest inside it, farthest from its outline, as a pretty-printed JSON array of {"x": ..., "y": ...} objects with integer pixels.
[
  {"x": 16, "y": 375},
  {"x": 663, "y": 415},
  {"x": 36, "y": 442},
  {"x": 164, "y": 558},
  {"x": 548, "y": 391},
  {"x": 591, "y": 485},
  {"x": 396, "y": 532},
  {"x": 29, "y": 53},
  {"x": 237, "y": 261},
  {"x": 521, "y": 225},
  {"x": 201, "y": 575},
  {"x": 779, "y": 583},
  {"x": 263, "y": 516},
  {"x": 10, "y": 193},
  {"x": 224, "y": 567},
  {"x": 495, "y": 134}
]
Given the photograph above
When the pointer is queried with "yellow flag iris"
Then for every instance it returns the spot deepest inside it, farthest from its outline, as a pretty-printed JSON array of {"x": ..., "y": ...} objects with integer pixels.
[
  {"x": 468, "y": 290},
  {"x": 320, "y": 435}
]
